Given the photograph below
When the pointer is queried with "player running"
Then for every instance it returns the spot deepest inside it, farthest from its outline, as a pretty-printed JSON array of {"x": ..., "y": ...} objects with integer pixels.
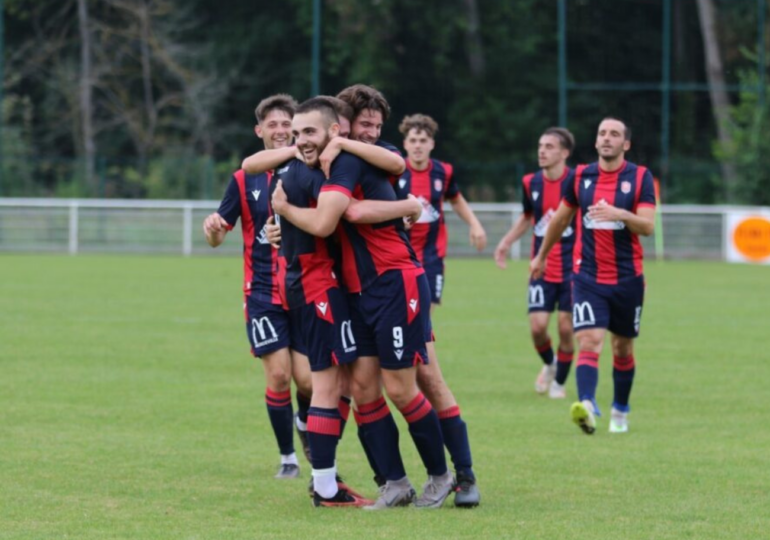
[
  {"x": 541, "y": 195},
  {"x": 614, "y": 201}
]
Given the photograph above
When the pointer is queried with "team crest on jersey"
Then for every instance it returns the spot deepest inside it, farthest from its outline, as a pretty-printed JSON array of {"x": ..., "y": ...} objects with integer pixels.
[
  {"x": 437, "y": 185},
  {"x": 625, "y": 187},
  {"x": 535, "y": 195},
  {"x": 401, "y": 182}
]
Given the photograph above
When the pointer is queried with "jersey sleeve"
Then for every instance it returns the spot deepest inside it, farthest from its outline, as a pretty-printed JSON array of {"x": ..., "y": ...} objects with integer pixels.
[
  {"x": 568, "y": 188},
  {"x": 230, "y": 207},
  {"x": 283, "y": 174},
  {"x": 388, "y": 146},
  {"x": 451, "y": 190},
  {"x": 647, "y": 191},
  {"x": 526, "y": 199},
  {"x": 344, "y": 174}
]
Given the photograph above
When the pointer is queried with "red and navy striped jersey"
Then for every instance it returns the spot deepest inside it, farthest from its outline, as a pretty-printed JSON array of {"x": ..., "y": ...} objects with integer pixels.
[
  {"x": 608, "y": 252},
  {"x": 368, "y": 251},
  {"x": 306, "y": 269},
  {"x": 247, "y": 197},
  {"x": 540, "y": 199},
  {"x": 431, "y": 186}
]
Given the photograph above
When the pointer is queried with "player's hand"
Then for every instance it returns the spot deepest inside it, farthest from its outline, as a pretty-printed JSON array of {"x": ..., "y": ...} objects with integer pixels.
[
  {"x": 414, "y": 216},
  {"x": 298, "y": 155},
  {"x": 280, "y": 200},
  {"x": 273, "y": 232},
  {"x": 329, "y": 154},
  {"x": 536, "y": 267},
  {"x": 501, "y": 255},
  {"x": 478, "y": 237},
  {"x": 603, "y": 211},
  {"x": 213, "y": 224}
]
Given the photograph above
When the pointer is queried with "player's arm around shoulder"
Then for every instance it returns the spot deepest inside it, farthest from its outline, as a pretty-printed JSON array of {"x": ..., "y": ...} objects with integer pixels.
[
  {"x": 377, "y": 156},
  {"x": 320, "y": 221},
  {"x": 266, "y": 160},
  {"x": 372, "y": 211}
]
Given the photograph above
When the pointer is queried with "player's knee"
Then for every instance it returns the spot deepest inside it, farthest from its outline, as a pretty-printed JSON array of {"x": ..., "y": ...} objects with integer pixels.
[
  {"x": 623, "y": 348},
  {"x": 539, "y": 329},
  {"x": 326, "y": 394},
  {"x": 438, "y": 393},
  {"x": 589, "y": 343},
  {"x": 539, "y": 334},
  {"x": 401, "y": 394},
  {"x": 430, "y": 382},
  {"x": 304, "y": 386},
  {"x": 278, "y": 379},
  {"x": 363, "y": 394},
  {"x": 566, "y": 339}
]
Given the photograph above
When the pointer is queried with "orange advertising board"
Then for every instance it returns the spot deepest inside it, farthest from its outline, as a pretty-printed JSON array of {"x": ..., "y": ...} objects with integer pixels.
[{"x": 748, "y": 238}]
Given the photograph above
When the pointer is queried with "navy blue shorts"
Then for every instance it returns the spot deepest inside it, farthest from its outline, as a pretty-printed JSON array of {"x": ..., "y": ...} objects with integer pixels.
[
  {"x": 324, "y": 329},
  {"x": 364, "y": 335},
  {"x": 618, "y": 308},
  {"x": 267, "y": 326},
  {"x": 395, "y": 318},
  {"x": 434, "y": 272},
  {"x": 545, "y": 295}
]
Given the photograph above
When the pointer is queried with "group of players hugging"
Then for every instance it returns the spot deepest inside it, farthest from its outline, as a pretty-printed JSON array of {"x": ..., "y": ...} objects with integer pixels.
[{"x": 344, "y": 243}]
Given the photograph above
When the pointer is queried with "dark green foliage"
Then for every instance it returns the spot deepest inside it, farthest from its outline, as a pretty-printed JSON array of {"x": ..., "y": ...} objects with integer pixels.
[{"x": 493, "y": 87}]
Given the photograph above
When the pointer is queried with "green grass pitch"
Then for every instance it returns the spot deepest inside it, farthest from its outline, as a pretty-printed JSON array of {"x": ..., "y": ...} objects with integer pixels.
[{"x": 131, "y": 409}]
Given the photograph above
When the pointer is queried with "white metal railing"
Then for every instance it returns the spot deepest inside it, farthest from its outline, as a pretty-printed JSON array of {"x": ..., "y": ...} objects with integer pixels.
[{"x": 141, "y": 226}]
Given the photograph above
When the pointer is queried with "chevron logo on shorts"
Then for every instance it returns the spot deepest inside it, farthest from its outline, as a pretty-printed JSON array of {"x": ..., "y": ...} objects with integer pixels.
[
  {"x": 399, "y": 353},
  {"x": 322, "y": 307},
  {"x": 413, "y": 304}
]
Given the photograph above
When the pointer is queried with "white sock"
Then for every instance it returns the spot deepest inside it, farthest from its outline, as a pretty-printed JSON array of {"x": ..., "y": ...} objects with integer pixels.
[
  {"x": 325, "y": 482},
  {"x": 291, "y": 459},
  {"x": 302, "y": 426}
]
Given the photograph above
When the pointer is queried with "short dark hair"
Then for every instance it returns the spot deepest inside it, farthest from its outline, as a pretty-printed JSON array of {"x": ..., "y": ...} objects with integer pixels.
[
  {"x": 321, "y": 105},
  {"x": 419, "y": 122},
  {"x": 281, "y": 102},
  {"x": 627, "y": 133},
  {"x": 340, "y": 107},
  {"x": 566, "y": 139},
  {"x": 361, "y": 97}
]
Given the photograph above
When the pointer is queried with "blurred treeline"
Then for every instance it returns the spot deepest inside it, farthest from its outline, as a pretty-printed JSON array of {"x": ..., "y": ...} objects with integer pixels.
[{"x": 155, "y": 98}]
